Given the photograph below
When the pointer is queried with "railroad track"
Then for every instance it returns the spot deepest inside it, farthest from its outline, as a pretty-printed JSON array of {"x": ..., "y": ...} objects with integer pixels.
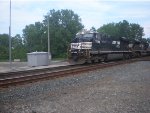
[{"x": 22, "y": 77}]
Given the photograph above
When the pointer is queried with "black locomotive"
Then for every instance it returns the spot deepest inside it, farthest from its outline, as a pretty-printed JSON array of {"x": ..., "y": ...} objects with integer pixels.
[{"x": 97, "y": 47}]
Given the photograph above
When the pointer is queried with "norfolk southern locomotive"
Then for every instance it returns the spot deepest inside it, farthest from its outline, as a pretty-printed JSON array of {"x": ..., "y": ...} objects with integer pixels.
[{"x": 97, "y": 47}]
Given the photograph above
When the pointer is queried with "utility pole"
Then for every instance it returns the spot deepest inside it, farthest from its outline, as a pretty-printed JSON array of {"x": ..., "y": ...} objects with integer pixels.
[
  {"x": 10, "y": 62},
  {"x": 49, "y": 53}
]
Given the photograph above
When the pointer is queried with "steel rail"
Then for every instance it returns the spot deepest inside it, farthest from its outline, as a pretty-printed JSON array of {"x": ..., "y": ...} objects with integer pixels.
[
  {"x": 57, "y": 73},
  {"x": 6, "y": 75}
]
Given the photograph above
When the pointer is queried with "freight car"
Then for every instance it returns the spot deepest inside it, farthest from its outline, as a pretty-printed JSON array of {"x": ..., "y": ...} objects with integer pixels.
[{"x": 97, "y": 47}]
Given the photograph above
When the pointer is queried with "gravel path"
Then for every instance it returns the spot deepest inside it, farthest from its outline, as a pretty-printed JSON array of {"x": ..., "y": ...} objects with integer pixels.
[{"x": 119, "y": 89}]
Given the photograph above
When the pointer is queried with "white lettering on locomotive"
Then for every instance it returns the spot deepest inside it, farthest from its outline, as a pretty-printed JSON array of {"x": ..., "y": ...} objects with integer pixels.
[{"x": 82, "y": 45}]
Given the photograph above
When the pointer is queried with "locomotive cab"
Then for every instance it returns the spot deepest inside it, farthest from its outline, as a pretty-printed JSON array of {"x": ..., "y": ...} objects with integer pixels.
[{"x": 80, "y": 47}]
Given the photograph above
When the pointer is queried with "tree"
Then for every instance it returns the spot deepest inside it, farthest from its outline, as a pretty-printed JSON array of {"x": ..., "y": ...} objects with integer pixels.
[
  {"x": 136, "y": 31},
  {"x": 93, "y": 29},
  {"x": 110, "y": 29},
  {"x": 4, "y": 46},
  {"x": 63, "y": 24},
  {"x": 18, "y": 48},
  {"x": 33, "y": 37},
  {"x": 123, "y": 29},
  {"x": 148, "y": 39}
]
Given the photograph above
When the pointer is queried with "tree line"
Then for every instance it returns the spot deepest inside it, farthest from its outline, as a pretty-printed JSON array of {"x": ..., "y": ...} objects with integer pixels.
[{"x": 63, "y": 26}]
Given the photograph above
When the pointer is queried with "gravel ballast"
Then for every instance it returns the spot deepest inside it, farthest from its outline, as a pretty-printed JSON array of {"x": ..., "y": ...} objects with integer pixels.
[{"x": 118, "y": 89}]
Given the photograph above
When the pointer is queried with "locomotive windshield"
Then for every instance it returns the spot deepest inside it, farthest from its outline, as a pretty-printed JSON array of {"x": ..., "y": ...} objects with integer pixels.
[
  {"x": 87, "y": 37},
  {"x": 83, "y": 38}
]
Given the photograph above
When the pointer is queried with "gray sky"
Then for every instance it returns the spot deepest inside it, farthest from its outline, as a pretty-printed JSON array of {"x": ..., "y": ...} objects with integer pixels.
[{"x": 92, "y": 12}]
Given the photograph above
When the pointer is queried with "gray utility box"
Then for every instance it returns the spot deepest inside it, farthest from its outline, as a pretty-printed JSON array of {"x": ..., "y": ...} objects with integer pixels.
[{"x": 38, "y": 59}]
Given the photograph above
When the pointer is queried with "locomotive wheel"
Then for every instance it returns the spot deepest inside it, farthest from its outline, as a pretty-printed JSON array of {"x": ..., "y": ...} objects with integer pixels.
[
  {"x": 92, "y": 61},
  {"x": 105, "y": 58},
  {"x": 126, "y": 56},
  {"x": 138, "y": 54},
  {"x": 75, "y": 58},
  {"x": 130, "y": 56},
  {"x": 99, "y": 60}
]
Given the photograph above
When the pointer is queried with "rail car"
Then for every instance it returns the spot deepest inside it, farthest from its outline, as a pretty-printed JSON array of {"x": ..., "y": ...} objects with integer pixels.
[{"x": 97, "y": 47}]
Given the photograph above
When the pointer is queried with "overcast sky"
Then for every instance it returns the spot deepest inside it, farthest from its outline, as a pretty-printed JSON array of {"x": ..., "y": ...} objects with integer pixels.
[{"x": 92, "y": 12}]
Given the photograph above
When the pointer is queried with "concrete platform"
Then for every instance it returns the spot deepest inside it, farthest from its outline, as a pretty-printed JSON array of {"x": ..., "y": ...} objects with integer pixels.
[{"x": 20, "y": 66}]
